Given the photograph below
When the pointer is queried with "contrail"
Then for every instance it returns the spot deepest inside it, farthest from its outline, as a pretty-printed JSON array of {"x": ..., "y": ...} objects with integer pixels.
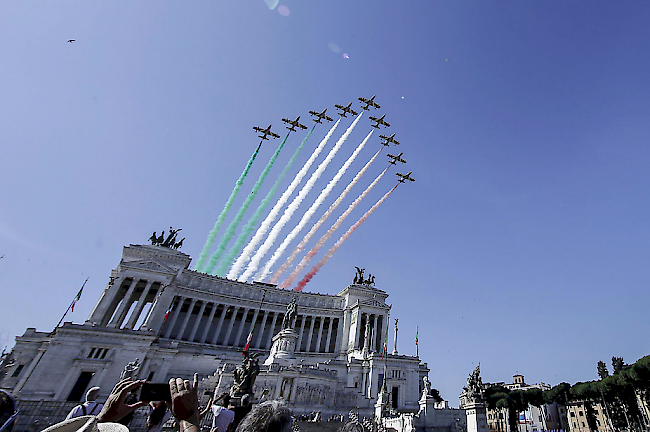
[
  {"x": 340, "y": 241},
  {"x": 250, "y": 225},
  {"x": 288, "y": 212},
  {"x": 266, "y": 224},
  {"x": 230, "y": 231},
  {"x": 309, "y": 213},
  {"x": 222, "y": 216},
  {"x": 307, "y": 258}
]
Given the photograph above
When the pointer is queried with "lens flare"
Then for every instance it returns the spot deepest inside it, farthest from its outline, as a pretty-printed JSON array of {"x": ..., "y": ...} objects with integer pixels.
[
  {"x": 346, "y": 56},
  {"x": 283, "y": 10},
  {"x": 334, "y": 47}
]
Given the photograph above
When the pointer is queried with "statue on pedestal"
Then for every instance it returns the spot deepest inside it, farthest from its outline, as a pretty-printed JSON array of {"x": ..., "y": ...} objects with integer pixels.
[
  {"x": 426, "y": 390},
  {"x": 474, "y": 389},
  {"x": 244, "y": 376},
  {"x": 290, "y": 315},
  {"x": 170, "y": 242}
]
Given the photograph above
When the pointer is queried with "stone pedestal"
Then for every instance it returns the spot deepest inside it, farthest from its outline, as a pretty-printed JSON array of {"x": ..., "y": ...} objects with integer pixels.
[
  {"x": 283, "y": 348},
  {"x": 476, "y": 418}
]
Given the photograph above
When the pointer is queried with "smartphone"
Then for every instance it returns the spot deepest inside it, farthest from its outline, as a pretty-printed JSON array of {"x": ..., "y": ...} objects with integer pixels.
[{"x": 155, "y": 392}]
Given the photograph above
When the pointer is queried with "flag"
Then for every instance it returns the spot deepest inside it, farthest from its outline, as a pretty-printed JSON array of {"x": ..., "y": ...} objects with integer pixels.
[
  {"x": 77, "y": 298},
  {"x": 384, "y": 350},
  {"x": 248, "y": 342},
  {"x": 167, "y": 314},
  {"x": 417, "y": 330}
]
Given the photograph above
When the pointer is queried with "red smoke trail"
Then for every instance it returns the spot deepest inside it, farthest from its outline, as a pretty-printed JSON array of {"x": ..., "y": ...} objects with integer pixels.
[
  {"x": 338, "y": 244},
  {"x": 321, "y": 242}
]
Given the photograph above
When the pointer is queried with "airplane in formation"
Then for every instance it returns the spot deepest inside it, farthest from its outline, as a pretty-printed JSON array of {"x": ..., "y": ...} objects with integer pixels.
[
  {"x": 345, "y": 109},
  {"x": 403, "y": 177},
  {"x": 266, "y": 132},
  {"x": 369, "y": 103},
  {"x": 389, "y": 139},
  {"x": 380, "y": 121},
  {"x": 294, "y": 124},
  {"x": 395, "y": 159},
  {"x": 320, "y": 116}
]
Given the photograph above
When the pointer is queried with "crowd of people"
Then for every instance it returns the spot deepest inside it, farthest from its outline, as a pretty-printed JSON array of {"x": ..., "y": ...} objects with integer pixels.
[{"x": 116, "y": 413}]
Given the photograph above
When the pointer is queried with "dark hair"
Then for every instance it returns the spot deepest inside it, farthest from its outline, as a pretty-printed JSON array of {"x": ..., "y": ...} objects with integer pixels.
[
  {"x": 157, "y": 414},
  {"x": 271, "y": 416}
]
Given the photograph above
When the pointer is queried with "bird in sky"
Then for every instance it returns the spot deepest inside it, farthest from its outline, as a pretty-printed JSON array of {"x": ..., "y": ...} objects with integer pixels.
[{"x": 70, "y": 40}]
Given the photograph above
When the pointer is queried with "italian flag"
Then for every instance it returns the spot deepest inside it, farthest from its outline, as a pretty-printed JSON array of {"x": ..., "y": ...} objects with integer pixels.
[
  {"x": 77, "y": 297},
  {"x": 167, "y": 314},
  {"x": 384, "y": 351},
  {"x": 248, "y": 342}
]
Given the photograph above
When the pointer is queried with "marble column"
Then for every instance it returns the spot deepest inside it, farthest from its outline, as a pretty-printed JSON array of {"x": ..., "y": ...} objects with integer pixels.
[
  {"x": 270, "y": 337},
  {"x": 258, "y": 340},
  {"x": 320, "y": 333},
  {"x": 139, "y": 307},
  {"x": 147, "y": 321},
  {"x": 208, "y": 323},
  {"x": 231, "y": 324},
  {"x": 199, "y": 317},
  {"x": 356, "y": 333},
  {"x": 241, "y": 326},
  {"x": 102, "y": 307},
  {"x": 186, "y": 319},
  {"x": 329, "y": 334},
  {"x": 217, "y": 332},
  {"x": 300, "y": 334},
  {"x": 373, "y": 342},
  {"x": 119, "y": 315},
  {"x": 172, "y": 323},
  {"x": 311, "y": 332}
]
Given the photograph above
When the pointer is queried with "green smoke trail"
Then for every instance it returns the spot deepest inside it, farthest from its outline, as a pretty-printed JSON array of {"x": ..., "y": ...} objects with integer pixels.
[
  {"x": 250, "y": 225},
  {"x": 222, "y": 216},
  {"x": 230, "y": 231}
]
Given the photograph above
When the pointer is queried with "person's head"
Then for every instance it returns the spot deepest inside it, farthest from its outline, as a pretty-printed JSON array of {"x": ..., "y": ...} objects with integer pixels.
[
  {"x": 92, "y": 394},
  {"x": 270, "y": 416},
  {"x": 225, "y": 400},
  {"x": 8, "y": 411}
]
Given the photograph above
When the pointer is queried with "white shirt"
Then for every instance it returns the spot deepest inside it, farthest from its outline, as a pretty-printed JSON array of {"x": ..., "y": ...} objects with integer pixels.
[
  {"x": 92, "y": 408},
  {"x": 222, "y": 418}
]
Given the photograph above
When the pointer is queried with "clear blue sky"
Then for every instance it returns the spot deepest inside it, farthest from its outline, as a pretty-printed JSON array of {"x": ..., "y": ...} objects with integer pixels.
[{"x": 523, "y": 244}]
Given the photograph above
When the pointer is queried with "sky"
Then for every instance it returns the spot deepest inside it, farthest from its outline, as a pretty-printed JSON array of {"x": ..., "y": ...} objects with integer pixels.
[{"x": 523, "y": 243}]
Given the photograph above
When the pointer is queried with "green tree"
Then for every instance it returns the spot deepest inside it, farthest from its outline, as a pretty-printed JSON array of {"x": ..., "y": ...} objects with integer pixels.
[
  {"x": 602, "y": 370},
  {"x": 617, "y": 364}
]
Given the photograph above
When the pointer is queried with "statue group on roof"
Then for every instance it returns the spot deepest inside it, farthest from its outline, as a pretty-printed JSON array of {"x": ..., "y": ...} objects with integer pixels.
[
  {"x": 360, "y": 279},
  {"x": 170, "y": 241}
]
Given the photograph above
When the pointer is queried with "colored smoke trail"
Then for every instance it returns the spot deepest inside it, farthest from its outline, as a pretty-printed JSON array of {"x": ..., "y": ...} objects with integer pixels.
[
  {"x": 222, "y": 216},
  {"x": 230, "y": 231},
  {"x": 307, "y": 258},
  {"x": 325, "y": 215},
  {"x": 340, "y": 241},
  {"x": 266, "y": 224},
  {"x": 248, "y": 228},
  {"x": 291, "y": 208}
]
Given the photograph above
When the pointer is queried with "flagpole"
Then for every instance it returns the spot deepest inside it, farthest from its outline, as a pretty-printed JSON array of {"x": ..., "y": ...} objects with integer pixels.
[
  {"x": 417, "y": 344},
  {"x": 73, "y": 302},
  {"x": 250, "y": 335}
]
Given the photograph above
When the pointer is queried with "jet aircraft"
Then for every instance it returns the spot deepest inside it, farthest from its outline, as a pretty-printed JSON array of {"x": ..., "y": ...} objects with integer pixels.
[
  {"x": 389, "y": 139},
  {"x": 345, "y": 109},
  {"x": 70, "y": 40},
  {"x": 394, "y": 159},
  {"x": 320, "y": 116},
  {"x": 294, "y": 124},
  {"x": 380, "y": 121},
  {"x": 369, "y": 103},
  {"x": 265, "y": 132},
  {"x": 403, "y": 177}
]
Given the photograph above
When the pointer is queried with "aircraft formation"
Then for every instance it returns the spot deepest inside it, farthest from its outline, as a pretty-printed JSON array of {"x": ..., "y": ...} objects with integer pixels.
[{"x": 242, "y": 261}]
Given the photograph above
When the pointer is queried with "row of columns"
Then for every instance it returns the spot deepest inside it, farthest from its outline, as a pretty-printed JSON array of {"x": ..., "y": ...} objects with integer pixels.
[
  {"x": 376, "y": 326},
  {"x": 119, "y": 316},
  {"x": 227, "y": 326}
]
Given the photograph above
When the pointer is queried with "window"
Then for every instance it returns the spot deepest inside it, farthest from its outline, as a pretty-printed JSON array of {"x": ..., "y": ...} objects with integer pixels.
[
  {"x": 573, "y": 414},
  {"x": 583, "y": 424},
  {"x": 539, "y": 418},
  {"x": 17, "y": 371},
  {"x": 598, "y": 422},
  {"x": 489, "y": 416},
  {"x": 581, "y": 413},
  {"x": 97, "y": 353}
]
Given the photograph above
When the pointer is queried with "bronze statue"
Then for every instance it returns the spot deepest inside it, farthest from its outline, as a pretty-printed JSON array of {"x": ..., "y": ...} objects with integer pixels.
[
  {"x": 161, "y": 239},
  {"x": 179, "y": 244},
  {"x": 358, "y": 279},
  {"x": 244, "y": 376},
  {"x": 290, "y": 315},
  {"x": 154, "y": 238},
  {"x": 171, "y": 238},
  {"x": 170, "y": 241}
]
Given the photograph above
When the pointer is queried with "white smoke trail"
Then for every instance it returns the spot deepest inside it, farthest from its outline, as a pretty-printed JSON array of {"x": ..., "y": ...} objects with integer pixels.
[
  {"x": 321, "y": 242},
  {"x": 311, "y": 211},
  {"x": 288, "y": 212},
  {"x": 276, "y": 276},
  {"x": 266, "y": 224}
]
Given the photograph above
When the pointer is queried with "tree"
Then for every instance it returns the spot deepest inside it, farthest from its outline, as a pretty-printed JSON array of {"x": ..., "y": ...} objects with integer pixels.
[
  {"x": 617, "y": 364},
  {"x": 602, "y": 370},
  {"x": 436, "y": 395}
]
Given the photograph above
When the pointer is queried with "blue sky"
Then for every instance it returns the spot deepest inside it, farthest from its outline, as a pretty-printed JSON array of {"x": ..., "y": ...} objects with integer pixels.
[{"x": 523, "y": 243}]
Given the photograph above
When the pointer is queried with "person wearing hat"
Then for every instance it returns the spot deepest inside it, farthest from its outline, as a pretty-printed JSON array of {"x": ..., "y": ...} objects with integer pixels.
[{"x": 90, "y": 407}]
